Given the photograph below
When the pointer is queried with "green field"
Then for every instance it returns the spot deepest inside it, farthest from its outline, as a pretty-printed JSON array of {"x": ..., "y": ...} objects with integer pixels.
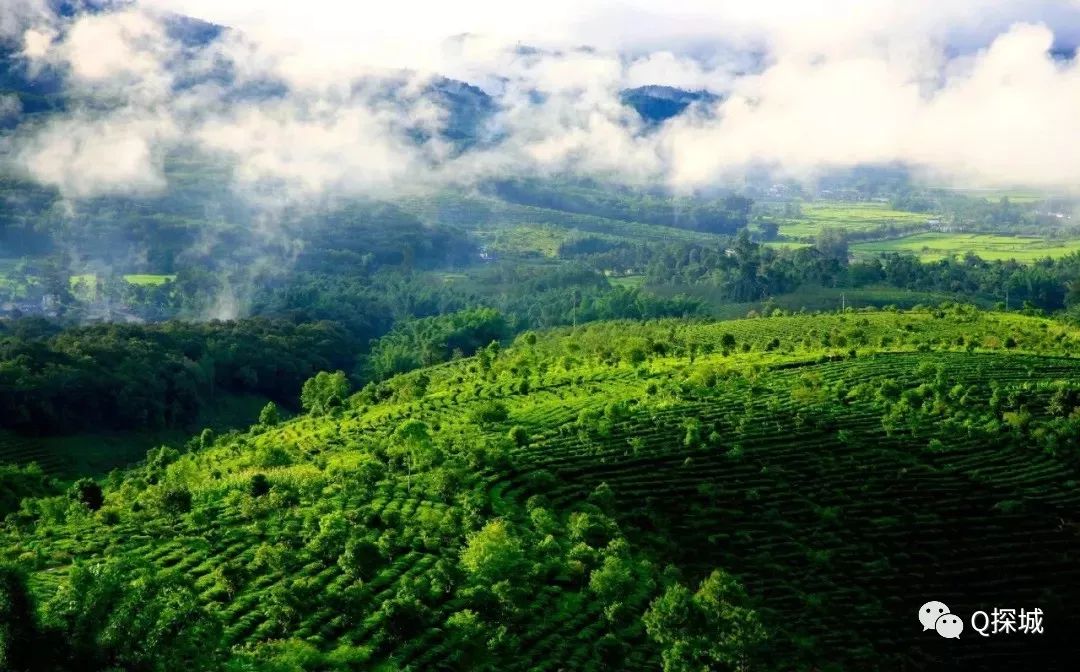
[
  {"x": 787, "y": 244},
  {"x": 995, "y": 195},
  {"x": 934, "y": 246},
  {"x": 628, "y": 281},
  {"x": 148, "y": 279},
  {"x": 10, "y": 281},
  {"x": 530, "y": 508},
  {"x": 526, "y": 239},
  {"x": 848, "y": 216}
]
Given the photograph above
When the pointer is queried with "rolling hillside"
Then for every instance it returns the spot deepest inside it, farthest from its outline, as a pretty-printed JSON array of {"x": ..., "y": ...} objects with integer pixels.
[{"x": 556, "y": 504}]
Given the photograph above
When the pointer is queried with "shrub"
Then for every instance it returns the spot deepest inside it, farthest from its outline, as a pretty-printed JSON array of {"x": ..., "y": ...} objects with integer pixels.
[
  {"x": 259, "y": 485},
  {"x": 87, "y": 492},
  {"x": 324, "y": 392},
  {"x": 490, "y": 412},
  {"x": 519, "y": 436},
  {"x": 269, "y": 415},
  {"x": 176, "y": 500},
  {"x": 269, "y": 456}
]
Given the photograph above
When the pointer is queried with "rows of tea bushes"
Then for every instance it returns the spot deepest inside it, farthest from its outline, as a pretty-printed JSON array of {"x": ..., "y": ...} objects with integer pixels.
[{"x": 768, "y": 493}]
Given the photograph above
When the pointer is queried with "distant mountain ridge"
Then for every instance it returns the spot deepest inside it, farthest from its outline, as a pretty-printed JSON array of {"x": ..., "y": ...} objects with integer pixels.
[
  {"x": 468, "y": 106},
  {"x": 657, "y": 103}
]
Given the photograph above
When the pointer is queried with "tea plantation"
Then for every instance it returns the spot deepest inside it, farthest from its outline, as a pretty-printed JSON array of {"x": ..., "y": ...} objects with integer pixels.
[{"x": 776, "y": 493}]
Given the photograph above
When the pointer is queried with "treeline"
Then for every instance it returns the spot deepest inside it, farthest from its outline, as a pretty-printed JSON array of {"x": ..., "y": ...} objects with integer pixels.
[
  {"x": 747, "y": 271},
  {"x": 156, "y": 376},
  {"x": 416, "y": 343},
  {"x": 724, "y": 215},
  {"x": 365, "y": 236},
  {"x": 972, "y": 213},
  {"x": 109, "y": 376},
  {"x": 744, "y": 270}
]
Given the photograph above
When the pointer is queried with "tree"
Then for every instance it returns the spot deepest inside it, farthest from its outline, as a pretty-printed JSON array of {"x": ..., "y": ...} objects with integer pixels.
[
  {"x": 769, "y": 229},
  {"x": 176, "y": 500},
  {"x": 712, "y": 629},
  {"x": 88, "y": 492},
  {"x": 259, "y": 485},
  {"x": 470, "y": 636},
  {"x": 18, "y": 623},
  {"x": 615, "y": 581},
  {"x": 269, "y": 415},
  {"x": 490, "y": 412},
  {"x": 20, "y": 481},
  {"x": 119, "y": 616},
  {"x": 328, "y": 543},
  {"x": 519, "y": 436},
  {"x": 361, "y": 558},
  {"x": 493, "y": 554},
  {"x": 403, "y": 616},
  {"x": 832, "y": 244},
  {"x": 324, "y": 392},
  {"x": 411, "y": 441}
]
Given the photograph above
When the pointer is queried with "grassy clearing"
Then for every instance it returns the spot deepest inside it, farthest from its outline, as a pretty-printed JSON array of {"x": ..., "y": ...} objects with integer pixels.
[
  {"x": 526, "y": 240},
  {"x": 148, "y": 279},
  {"x": 786, "y": 244},
  {"x": 934, "y": 246},
  {"x": 627, "y": 281},
  {"x": 848, "y": 216},
  {"x": 84, "y": 285},
  {"x": 13, "y": 282}
]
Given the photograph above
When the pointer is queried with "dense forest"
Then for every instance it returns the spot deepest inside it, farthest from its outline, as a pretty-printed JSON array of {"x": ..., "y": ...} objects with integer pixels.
[
  {"x": 137, "y": 377},
  {"x": 724, "y": 216}
]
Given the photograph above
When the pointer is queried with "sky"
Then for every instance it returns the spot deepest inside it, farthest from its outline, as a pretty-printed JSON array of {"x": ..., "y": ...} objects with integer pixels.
[{"x": 963, "y": 91}]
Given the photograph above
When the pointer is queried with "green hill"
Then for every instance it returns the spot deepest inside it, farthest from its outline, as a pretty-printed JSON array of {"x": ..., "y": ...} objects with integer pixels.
[{"x": 771, "y": 493}]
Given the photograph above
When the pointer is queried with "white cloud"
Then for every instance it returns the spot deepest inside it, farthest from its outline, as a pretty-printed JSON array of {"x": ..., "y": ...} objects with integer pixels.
[
  {"x": 10, "y": 106},
  {"x": 668, "y": 69},
  {"x": 36, "y": 43},
  {"x": 127, "y": 45},
  {"x": 85, "y": 155},
  {"x": 1003, "y": 117},
  {"x": 16, "y": 15},
  {"x": 826, "y": 84}
]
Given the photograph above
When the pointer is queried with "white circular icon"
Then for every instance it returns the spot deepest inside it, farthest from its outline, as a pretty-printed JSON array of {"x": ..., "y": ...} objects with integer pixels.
[
  {"x": 949, "y": 626},
  {"x": 930, "y": 612}
]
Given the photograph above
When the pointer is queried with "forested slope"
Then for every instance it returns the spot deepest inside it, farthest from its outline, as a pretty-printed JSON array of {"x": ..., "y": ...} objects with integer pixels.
[{"x": 772, "y": 493}]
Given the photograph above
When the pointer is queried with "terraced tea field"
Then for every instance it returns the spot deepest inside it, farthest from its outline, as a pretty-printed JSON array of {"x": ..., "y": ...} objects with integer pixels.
[
  {"x": 844, "y": 468},
  {"x": 842, "y": 528}
]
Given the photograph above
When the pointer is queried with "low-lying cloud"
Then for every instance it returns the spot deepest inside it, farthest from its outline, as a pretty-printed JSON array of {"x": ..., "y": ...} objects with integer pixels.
[{"x": 305, "y": 107}]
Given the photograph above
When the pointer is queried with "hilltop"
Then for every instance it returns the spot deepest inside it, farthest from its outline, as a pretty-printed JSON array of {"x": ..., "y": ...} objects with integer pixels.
[{"x": 775, "y": 493}]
